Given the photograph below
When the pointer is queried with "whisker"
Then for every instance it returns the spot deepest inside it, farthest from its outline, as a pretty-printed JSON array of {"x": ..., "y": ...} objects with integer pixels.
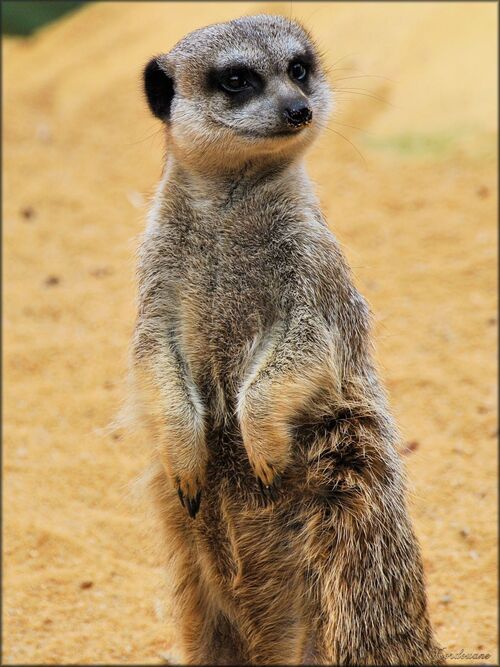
[
  {"x": 366, "y": 76},
  {"x": 311, "y": 16},
  {"x": 353, "y": 127},
  {"x": 362, "y": 92},
  {"x": 330, "y": 129},
  {"x": 150, "y": 136},
  {"x": 340, "y": 69},
  {"x": 348, "y": 55}
]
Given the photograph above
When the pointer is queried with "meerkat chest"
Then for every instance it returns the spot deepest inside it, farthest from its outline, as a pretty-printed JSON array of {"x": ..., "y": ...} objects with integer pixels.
[
  {"x": 234, "y": 278},
  {"x": 235, "y": 283}
]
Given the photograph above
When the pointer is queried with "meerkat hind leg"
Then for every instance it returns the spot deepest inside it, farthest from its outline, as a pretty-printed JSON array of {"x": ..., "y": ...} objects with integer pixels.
[{"x": 207, "y": 636}]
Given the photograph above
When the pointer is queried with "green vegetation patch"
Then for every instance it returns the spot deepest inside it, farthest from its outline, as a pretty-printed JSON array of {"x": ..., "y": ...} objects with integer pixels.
[
  {"x": 414, "y": 144},
  {"x": 24, "y": 17},
  {"x": 471, "y": 141}
]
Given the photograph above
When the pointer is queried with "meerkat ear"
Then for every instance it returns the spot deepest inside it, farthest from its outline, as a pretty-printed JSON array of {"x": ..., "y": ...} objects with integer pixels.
[{"x": 159, "y": 89}]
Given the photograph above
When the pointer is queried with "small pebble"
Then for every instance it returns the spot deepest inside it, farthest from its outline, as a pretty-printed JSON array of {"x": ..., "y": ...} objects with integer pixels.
[
  {"x": 50, "y": 281},
  {"x": 86, "y": 584},
  {"x": 474, "y": 555},
  {"x": 410, "y": 446},
  {"x": 169, "y": 657},
  {"x": 28, "y": 212},
  {"x": 446, "y": 599},
  {"x": 482, "y": 192},
  {"x": 464, "y": 532}
]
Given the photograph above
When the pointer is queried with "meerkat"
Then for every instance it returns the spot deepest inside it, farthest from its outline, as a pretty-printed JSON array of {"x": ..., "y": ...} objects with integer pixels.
[{"x": 275, "y": 469}]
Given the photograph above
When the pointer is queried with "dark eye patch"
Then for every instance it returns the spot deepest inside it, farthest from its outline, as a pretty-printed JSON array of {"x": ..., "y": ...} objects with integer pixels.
[
  {"x": 238, "y": 82},
  {"x": 309, "y": 58}
]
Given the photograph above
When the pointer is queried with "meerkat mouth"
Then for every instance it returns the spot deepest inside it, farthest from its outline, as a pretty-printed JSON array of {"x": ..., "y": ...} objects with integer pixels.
[
  {"x": 291, "y": 132},
  {"x": 253, "y": 134},
  {"x": 276, "y": 134}
]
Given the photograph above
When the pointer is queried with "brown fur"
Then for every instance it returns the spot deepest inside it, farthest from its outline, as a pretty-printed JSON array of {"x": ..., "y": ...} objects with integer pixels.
[{"x": 252, "y": 359}]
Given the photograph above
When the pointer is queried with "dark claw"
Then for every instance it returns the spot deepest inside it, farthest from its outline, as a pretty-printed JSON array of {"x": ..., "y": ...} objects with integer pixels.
[
  {"x": 193, "y": 505},
  {"x": 270, "y": 491}
]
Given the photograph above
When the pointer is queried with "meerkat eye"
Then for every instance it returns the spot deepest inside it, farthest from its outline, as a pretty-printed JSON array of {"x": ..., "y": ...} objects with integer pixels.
[
  {"x": 234, "y": 81},
  {"x": 298, "y": 71}
]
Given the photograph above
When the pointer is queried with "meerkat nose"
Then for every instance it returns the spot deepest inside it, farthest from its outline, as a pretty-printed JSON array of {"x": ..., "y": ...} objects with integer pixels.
[{"x": 297, "y": 114}]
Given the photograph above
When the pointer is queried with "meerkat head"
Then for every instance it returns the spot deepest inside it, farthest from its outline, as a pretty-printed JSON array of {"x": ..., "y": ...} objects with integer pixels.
[{"x": 236, "y": 92}]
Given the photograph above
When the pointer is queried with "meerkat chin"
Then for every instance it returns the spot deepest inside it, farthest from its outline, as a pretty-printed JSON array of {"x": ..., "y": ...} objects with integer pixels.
[{"x": 275, "y": 473}]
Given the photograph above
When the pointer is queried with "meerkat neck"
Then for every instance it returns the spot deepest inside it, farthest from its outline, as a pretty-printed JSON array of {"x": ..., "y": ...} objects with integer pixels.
[{"x": 221, "y": 188}]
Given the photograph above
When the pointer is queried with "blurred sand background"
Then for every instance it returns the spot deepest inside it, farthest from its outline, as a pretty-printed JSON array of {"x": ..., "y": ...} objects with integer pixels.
[{"x": 416, "y": 217}]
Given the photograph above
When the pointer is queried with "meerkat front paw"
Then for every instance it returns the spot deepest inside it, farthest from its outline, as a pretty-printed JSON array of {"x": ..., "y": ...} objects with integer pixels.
[
  {"x": 185, "y": 461},
  {"x": 189, "y": 488},
  {"x": 264, "y": 470},
  {"x": 268, "y": 465},
  {"x": 266, "y": 439}
]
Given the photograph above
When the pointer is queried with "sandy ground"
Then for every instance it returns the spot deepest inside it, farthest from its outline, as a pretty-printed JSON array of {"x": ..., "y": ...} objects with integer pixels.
[{"x": 417, "y": 219}]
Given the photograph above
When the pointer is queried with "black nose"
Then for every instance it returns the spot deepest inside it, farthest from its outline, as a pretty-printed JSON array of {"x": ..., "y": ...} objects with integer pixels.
[{"x": 297, "y": 114}]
